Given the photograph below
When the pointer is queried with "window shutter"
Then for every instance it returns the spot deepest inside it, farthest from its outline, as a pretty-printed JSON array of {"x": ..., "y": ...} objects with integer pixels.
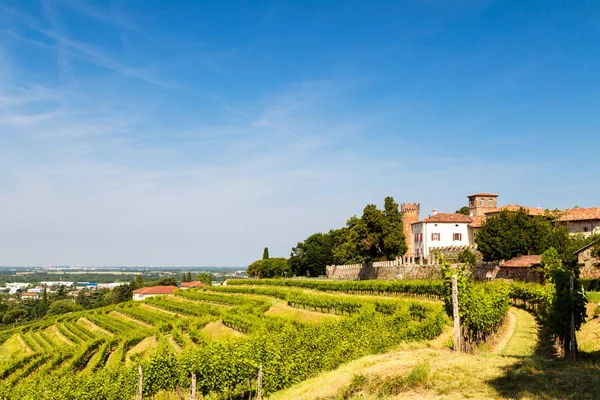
[
  {"x": 432, "y": 236},
  {"x": 460, "y": 236}
]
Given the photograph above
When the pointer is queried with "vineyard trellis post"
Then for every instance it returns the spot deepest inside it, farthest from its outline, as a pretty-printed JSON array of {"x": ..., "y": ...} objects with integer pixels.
[
  {"x": 573, "y": 337},
  {"x": 259, "y": 385},
  {"x": 193, "y": 387},
  {"x": 140, "y": 382},
  {"x": 455, "y": 316}
]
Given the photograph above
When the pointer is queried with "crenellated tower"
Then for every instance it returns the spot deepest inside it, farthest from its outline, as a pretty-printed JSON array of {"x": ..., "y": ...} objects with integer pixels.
[{"x": 410, "y": 214}]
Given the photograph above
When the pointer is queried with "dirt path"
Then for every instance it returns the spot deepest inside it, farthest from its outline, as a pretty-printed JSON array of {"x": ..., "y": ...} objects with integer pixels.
[
  {"x": 54, "y": 333},
  {"x": 127, "y": 318},
  {"x": 24, "y": 345},
  {"x": 508, "y": 331}
]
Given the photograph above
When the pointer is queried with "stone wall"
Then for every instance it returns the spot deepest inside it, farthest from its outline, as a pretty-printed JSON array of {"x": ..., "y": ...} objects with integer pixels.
[
  {"x": 402, "y": 268},
  {"x": 450, "y": 253},
  {"x": 589, "y": 266}
]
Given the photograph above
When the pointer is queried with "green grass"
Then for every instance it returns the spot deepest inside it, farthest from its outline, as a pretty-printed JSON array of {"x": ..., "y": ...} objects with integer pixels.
[{"x": 593, "y": 297}]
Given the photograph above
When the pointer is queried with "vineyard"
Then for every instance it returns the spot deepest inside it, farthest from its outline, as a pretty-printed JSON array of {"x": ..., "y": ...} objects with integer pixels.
[{"x": 94, "y": 354}]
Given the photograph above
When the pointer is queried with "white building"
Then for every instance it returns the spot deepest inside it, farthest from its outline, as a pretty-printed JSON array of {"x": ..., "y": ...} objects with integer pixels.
[
  {"x": 145, "y": 292},
  {"x": 16, "y": 287},
  {"x": 440, "y": 230}
]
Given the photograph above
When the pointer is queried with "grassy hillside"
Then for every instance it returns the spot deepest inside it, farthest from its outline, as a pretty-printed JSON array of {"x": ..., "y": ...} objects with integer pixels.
[{"x": 222, "y": 334}]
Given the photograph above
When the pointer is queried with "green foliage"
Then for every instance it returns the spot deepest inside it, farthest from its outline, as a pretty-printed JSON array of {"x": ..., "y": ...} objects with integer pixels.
[
  {"x": 467, "y": 257},
  {"x": 63, "y": 307},
  {"x": 204, "y": 278},
  {"x": 463, "y": 210},
  {"x": 426, "y": 288},
  {"x": 481, "y": 306},
  {"x": 265, "y": 254},
  {"x": 309, "y": 258},
  {"x": 512, "y": 234},
  {"x": 270, "y": 268},
  {"x": 564, "y": 304}
]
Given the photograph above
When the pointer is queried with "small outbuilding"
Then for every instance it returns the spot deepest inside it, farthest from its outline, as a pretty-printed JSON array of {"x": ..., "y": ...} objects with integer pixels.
[
  {"x": 145, "y": 292},
  {"x": 194, "y": 284},
  {"x": 588, "y": 264},
  {"x": 523, "y": 268}
]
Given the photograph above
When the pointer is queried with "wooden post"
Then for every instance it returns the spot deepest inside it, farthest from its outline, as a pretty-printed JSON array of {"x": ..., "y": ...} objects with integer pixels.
[
  {"x": 140, "y": 381},
  {"x": 259, "y": 385},
  {"x": 455, "y": 316},
  {"x": 193, "y": 387},
  {"x": 573, "y": 338}
]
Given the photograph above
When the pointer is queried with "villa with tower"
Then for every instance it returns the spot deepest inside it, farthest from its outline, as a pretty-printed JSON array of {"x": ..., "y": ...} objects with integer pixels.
[{"x": 447, "y": 230}]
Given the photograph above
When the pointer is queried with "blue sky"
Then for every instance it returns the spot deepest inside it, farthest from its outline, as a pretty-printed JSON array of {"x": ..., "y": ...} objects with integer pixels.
[{"x": 196, "y": 133}]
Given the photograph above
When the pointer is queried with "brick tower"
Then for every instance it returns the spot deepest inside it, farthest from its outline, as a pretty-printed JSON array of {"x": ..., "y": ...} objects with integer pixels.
[
  {"x": 410, "y": 214},
  {"x": 481, "y": 203}
]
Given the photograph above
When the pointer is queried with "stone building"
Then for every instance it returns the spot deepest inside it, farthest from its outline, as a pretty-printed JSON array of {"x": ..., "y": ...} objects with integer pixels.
[
  {"x": 581, "y": 220},
  {"x": 589, "y": 266},
  {"x": 480, "y": 203},
  {"x": 524, "y": 268}
]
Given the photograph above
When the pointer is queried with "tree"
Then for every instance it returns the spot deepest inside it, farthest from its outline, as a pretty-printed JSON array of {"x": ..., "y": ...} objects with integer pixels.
[
  {"x": 563, "y": 304},
  {"x": 269, "y": 268},
  {"x": 463, "y": 210},
  {"x": 138, "y": 282},
  {"x": 167, "y": 282},
  {"x": 377, "y": 235},
  {"x": 184, "y": 277},
  {"x": 467, "y": 257},
  {"x": 512, "y": 234},
  {"x": 122, "y": 293},
  {"x": 266, "y": 253},
  {"x": 312, "y": 255},
  {"x": 63, "y": 307},
  {"x": 82, "y": 298},
  {"x": 205, "y": 278}
]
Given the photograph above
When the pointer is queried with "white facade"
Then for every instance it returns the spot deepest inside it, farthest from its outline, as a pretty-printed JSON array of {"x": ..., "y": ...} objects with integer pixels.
[{"x": 429, "y": 235}]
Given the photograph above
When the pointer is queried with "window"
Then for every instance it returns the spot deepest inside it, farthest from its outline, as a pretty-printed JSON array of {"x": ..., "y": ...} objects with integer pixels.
[
  {"x": 457, "y": 236},
  {"x": 435, "y": 237},
  {"x": 490, "y": 202},
  {"x": 585, "y": 229},
  {"x": 481, "y": 202}
]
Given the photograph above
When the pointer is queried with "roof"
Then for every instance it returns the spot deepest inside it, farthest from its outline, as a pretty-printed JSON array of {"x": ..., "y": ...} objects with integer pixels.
[
  {"x": 580, "y": 214},
  {"x": 28, "y": 294},
  {"x": 156, "y": 290},
  {"x": 587, "y": 246},
  {"x": 484, "y": 194},
  {"x": 447, "y": 218},
  {"x": 515, "y": 208},
  {"x": 477, "y": 221},
  {"x": 523, "y": 262},
  {"x": 192, "y": 284}
]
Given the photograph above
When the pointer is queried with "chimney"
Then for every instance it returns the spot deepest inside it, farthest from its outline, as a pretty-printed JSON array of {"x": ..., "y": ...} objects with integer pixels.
[{"x": 434, "y": 211}]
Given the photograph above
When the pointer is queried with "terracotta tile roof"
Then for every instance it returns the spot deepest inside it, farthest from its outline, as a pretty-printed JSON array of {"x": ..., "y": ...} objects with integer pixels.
[
  {"x": 29, "y": 294},
  {"x": 477, "y": 221},
  {"x": 447, "y": 218},
  {"x": 156, "y": 290},
  {"x": 523, "y": 262},
  {"x": 580, "y": 214},
  {"x": 192, "y": 284},
  {"x": 483, "y": 195},
  {"x": 515, "y": 208}
]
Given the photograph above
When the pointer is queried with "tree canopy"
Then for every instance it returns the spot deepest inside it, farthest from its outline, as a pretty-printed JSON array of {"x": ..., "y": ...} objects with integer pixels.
[
  {"x": 376, "y": 235},
  {"x": 269, "y": 268},
  {"x": 512, "y": 234},
  {"x": 463, "y": 210}
]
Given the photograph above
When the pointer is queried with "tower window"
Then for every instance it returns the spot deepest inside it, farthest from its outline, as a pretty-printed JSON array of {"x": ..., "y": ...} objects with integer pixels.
[
  {"x": 481, "y": 202},
  {"x": 490, "y": 202}
]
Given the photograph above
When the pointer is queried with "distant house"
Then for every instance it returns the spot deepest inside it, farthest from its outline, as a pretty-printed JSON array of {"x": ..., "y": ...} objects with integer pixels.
[
  {"x": 582, "y": 220},
  {"x": 589, "y": 266},
  {"x": 186, "y": 285},
  {"x": 145, "y": 292},
  {"x": 524, "y": 268},
  {"x": 29, "y": 296}
]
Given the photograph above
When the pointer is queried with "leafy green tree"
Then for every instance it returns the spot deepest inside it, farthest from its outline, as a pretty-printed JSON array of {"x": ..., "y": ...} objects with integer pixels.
[
  {"x": 61, "y": 293},
  {"x": 167, "y": 282},
  {"x": 270, "y": 268},
  {"x": 463, "y": 210},
  {"x": 63, "y": 307},
  {"x": 205, "y": 278},
  {"x": 467, "y": 257},
  {"x": 563, "y": 304},
  {"x": 266, "y": 253},
  {"x": 512, "y": 234},
  {"x": 122, "y": 293},
  {"x": 377, "y": 235},
  {"x": 184, "y": 277},
  {"x": 313, "y": 255},
  {"x": 138, "y": 282},
  {"x": 14, "y": 315},
  {"x": 83, "y": 298}
]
